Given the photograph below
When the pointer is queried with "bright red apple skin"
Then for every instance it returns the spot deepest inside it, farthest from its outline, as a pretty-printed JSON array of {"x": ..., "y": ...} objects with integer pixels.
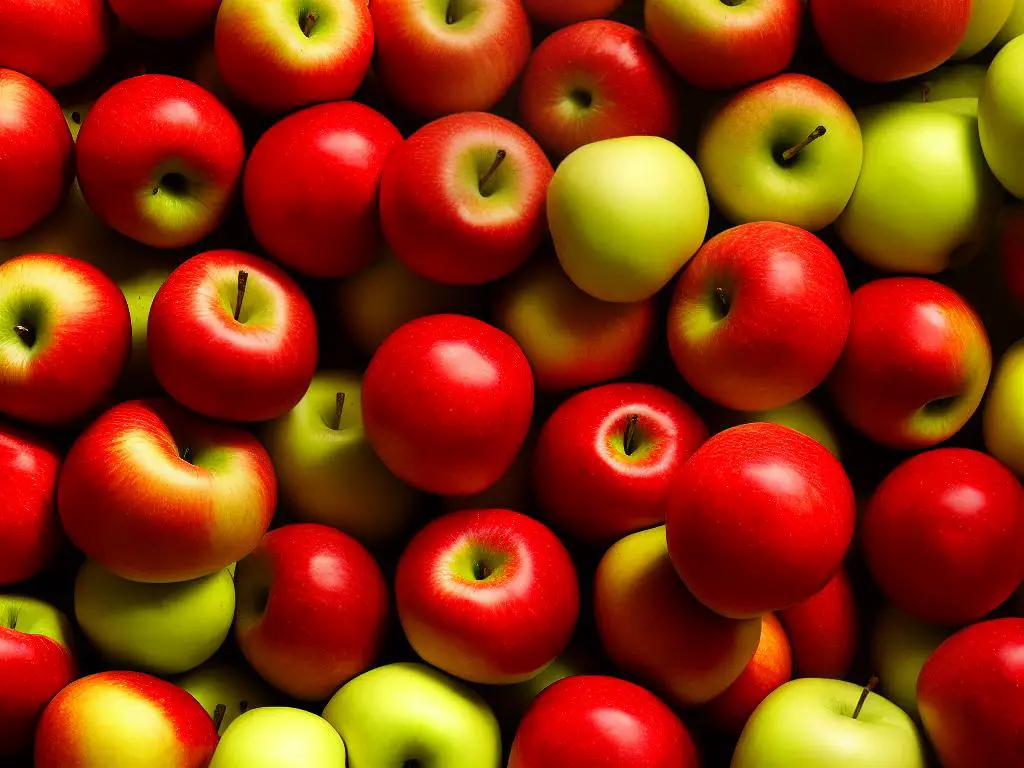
[
  {"x": 56, "y": 42},
  {"x": 969, "y": 697},
  {"x": 447, "y": 403},
  {"x": 760, "y": 316},
  {"x": 565, "y": 12},
  {"x": 759, "y": 519},
  {"x": 592, "y": 720},
  {"x": 822, "y": 630},
  {"x": 1011, "y": 251},
  {"x": 447, "y": 224},
  {"x": 585, "y": 482},
  {"x": 593, "y": 81},
  {"x": 168, "y": 19},
  {"x": 504, "y": 627},
  {"x": 312, "y": 609},
  {"x": 311, "y": 187},
  {"x": 251, "y": 369}
]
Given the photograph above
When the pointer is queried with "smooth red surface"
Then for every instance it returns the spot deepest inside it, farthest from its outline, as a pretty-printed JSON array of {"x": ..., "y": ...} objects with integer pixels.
[
  {"x": 563, "y": 12},
  {"x": 590, "y": 721},
  {"x": 630, "y": 90},
  {"x": 447, "y": 403},
  {"x": 311, "y": 186},
  {"x": 1011, "y": 251},
  {"x": 587, "y": 485},
  {"x": 29, "y": 532},
  {"x": 54, "y": 41},
  {"x": 167, "y": 19},
  {"x": 326, "y": 606},
  {"x": 759, "y": 520},
  {"x": 823, "y": 630},
  {"x": 503, "y": 628}
]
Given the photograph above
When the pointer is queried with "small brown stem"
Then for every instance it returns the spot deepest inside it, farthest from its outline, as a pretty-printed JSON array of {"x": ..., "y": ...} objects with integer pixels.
[
  {"x": 243, "y": 279},
  {"x": 339, "y": 408},
  {"x": 795, "y": 150},
  {"x": 310, "y": 22},
  {"x": 926, "y": 92},
  {"x": 864, "y": 695},
  {"x": 218, "y": 716},
  {"x": 26, "y": 334},
  {"x": 629, "y": 436},
  {"x": 499, "y": 158},
  {"x": 186, "y": 454}
]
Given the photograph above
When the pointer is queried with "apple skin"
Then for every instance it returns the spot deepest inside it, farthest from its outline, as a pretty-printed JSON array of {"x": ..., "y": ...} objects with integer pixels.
[
  {"x": 585, "y": 482},
  {"x": 760, "y": 317},
  {"x": 1003, "y": 415},
  {"x": 472, "y": 576},
  {"x": 56, "y": 42},
  {"x": 254, "y": 368},
  {"x": 590, "y": 720},
  {"x": 1011, "y": 251},
  {"x": 566, "y": 12},
  {"x": 312, "y": 605},
  {"x": 593, "y": 81},
  {"x": 1013, "y": 27},
  {"x": 949, "y": 85},
  {"x": 806, "y": 418},
  {"x": 128, "y": 499},
  {"x": 447, "y": 403},
  {"x": 656, "y": 631},
  {"x": 225, "y": 684},
  {"x": 913, "y": 344},
  {"x": 987, "y": 18},
  {"x": 823, "y": 630},
  {"x": 273, "y": 737},
  {"x": 900, "y": 646},
  {"x": 1001, "y": 118},
  {"x": 167, "y": 20}
]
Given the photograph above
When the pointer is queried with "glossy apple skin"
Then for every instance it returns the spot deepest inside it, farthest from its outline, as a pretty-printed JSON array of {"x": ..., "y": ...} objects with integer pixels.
[
  {"x": 447, "y": 403},
  {"x": 912, "y": 342},
  {"x": 251, "y": 369},
  {"x": 128, "y": 500},
  {"x": 823, "y": 630},
  {"x": 759, "y": 519},
  {"x": 565, "y": 12},
  {"x": 586, "y": 484},
  {"x": 504, "y": 627},
  {"x": 53, "y": 41},
  {"x": 591, "y": 720},
  {"x": 783, "y": 330},
  {"x": 1011, "y": 251},
  {"x": 440, "y": 221},
  {"x": 968, "y": 694},
  {"x": 166, "y": 20},
  {"x": 312, "y": 606},
  {"x": 593, "y": 81},
  {"x": 29, "y": 531}
]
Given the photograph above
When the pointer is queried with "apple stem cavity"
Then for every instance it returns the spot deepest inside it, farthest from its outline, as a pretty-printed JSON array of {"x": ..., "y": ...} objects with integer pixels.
[
  {"x": 218, "y": 716},
  {"x": 308, "y": 23},
  {"x": 186, "y": 454},
  {"x": 723, "y": 302},
  {"x": 480, "y": 570},
  {"x": 76, "y": 117},
  {"x": 26, "y": 334},
  {"x": 339, "y": 408},
  {"x": 864, "y": 695},
  {"x": 499, "y": 158},
  {"x": 449, "y": 13},
  {"x": 243, "y": 280},
  {"x": 629, "y": 435},
  {"x": 793, "y": 152}
]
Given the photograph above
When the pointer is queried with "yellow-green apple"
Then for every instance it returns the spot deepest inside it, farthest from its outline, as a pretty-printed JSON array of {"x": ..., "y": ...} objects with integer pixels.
[
  {"x": 29, "y": 531},
  {"x": 1014, "y": 26},
  {"x": 56, "y": 42},
  {"x": 232, "y": 336},
  {"x": 312, "y": 605},
  {"x": 326, "y": 470},
  {"x": 65, "y": 335},
  {"x": 593, "y": 81},
  {"x": 1004, "y": 414},
  {"x": 653, "y": 629},
  {"x": 1011, "y": 251},
  {"x": 489, "y": 596},
  {"x": 166, "y": 20},
  {"x": 280, "y": 737},
  {"x": 725, "y": 43},
  {"x": 462, "y": 199},
  {"x": 987, "y": 18},
  {"x": 760, "y": 316},
  {"x": 916, "y": 363},
  {"x": 823, "y": 630},
  {"x": 108, "y": 718},
  {"x": 566, "y": 12},
  {"x": 439, "y": 58},
  {"x": 952, "y": 86},
  {"x": 803, "y": 416},
  {"x": 900, "y": 645},
  {"x": 154, "y": 493},
  {"x": 815, "y": 722},
  {"x": 626, "y": 215},
  {"x": 788, "y": 149},
  {"x": 226, "y": 690},
  {"x": 409, "y": 714},
  {"x": 1001, "y": 116},
  {"x": 37, "y": 658}
]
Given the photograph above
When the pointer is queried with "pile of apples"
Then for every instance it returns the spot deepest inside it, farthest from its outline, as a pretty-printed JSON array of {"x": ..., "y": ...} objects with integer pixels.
[{"x": 526, "y": 383}]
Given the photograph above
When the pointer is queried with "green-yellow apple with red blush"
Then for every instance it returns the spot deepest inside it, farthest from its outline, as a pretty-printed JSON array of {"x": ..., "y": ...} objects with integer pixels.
[
  {"x": 1004, "y": 411},
  {"x": 801, "y": 415},
  {"x": 279, "y": 737},
  {"x": 1014, "y": 26},
  {"x": 226, "y": 690},
  {"x": 900, "y": 645},
  {"x": 566, "y": 12},
  {"x": 1001, "y": 116},
  {"x": 955, "y": 87},
  {"x": 988, "y": 17},
  {"x": 626, "y": 215}
]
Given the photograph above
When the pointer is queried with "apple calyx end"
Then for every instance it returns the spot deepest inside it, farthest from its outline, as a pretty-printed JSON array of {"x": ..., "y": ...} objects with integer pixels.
[
  {"x": 789, "y": 155},
  {"x": 629, "y": 435},
  {"x": 865, "y": 692},
  {"x": 499, "y": 158},
  {"x": 339, "y": 409},
  {"x": 243, "y": 280}
]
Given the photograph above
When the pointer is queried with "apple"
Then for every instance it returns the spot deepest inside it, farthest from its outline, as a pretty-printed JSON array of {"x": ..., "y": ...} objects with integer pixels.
[
  {"x": 1014, "y": 26},
  {"x": 447, "y": 403},
  {"x": 29, "y": 532},
  {"x": 312, "y": 605},
  {"x": 154, "y": 493},
  {"x": 513, "y": 490},
  {"x": 900, "y": 646},
  {"x": 655, "y": 631},
  {"x": 1001, "y": 118},
  {"x": 56, "y": 42},
  {"x": 916, "y": 363},
  {"x": 489, "y": 596},
  {"x": 987, "y": 18},
  {"x": 625, "y": 215},
  {"x": 100, "y": 720},
  {"x": 226, "y": 690},
  {"x": 788, "y": 149},
  {"x": 1011, "y": 251},
  {"x": 566, "y": 12},
  {"x": 1003, "y": 415},
  {"x": 37, "y": 659},
  {"x": 274, "y": 737},
  {"x": 823, "y": 630},
  {"x": 167, "y": 20},
  {"x": 593, "y": 81},
  {"x": 511, "y": 702},
  {"x": 803, "y": 416},
  {"x": 404, "y": 714},
  {"x": 952, "y": 86},
  {"x": 233, "y": 337}
]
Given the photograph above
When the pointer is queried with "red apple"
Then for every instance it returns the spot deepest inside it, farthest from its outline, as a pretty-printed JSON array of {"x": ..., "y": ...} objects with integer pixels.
[
  {"x": 29, "y": 532},
  {"x": 447, "y": 403},
  {"x": 158, "y": 160},
  {"x": 822, "y": 630},
  {"x": 462, "y": 201},
  {"x": 1011, "y": 251},
  {"x": 564, "y": 12},
  {"x": 593, "y": 81},
  {"x": 312, "y": 606},
  {"x": 916, "y": 363},
  {"x": 232, "y": 336},
  {"x": 311, "y": 187},
  {"x": 156, "y": 494},
  {"x": 53, "y": 41},
  {"x": 590, "y": 720},
  {"x": 600, "y": 473},
  {"x": 760, "y": 316},
  {"x": 168, "y": 19}
]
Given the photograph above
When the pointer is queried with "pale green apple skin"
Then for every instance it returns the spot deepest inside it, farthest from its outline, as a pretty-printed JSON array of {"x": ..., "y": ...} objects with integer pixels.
[
  {"x": 1014, "y": 26},
  {"x": 1001, "y": 116},
  {"x": 900, "y": 645},
  {"x": 807, "y": 723},
  {"x": 38, "y": 618},
  {"x": 165, "y": 629},
  {"x": 951, "y": 86},
  {"x": 626, "y": 215},
  {"x": 235, "y": 687},
  {"x": 988, "y": 17},
  {"x": 280, "y": 737},
  {"x": 1004, "y": 410},
  {"x": 925, "y": 198}
]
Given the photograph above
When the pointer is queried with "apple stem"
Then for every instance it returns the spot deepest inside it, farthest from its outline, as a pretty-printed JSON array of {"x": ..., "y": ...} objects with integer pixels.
[
  {"x": 864, "y": 695},
  {"x": 26, "y": 334},
  {"x": 339, "y": 407},
  {"x": 310, "y": 22},
  {"x": 499, "y": 158},
  {"x": 243, "y": 279},
  {"x": 186, "y": 454},
  {"x": 790, "y": 154},
  {"x": 218, "y": 716},
  {"x": 926, "y": 92},
  {"x": 449, "y": 13},
  {"x": 629, "y": 436}
]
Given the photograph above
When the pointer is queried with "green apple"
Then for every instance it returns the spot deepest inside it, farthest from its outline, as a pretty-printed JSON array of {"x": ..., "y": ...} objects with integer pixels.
[
  {"x": 226, "y": 690},
  {"x": 925, "y": 199},
  {"x": 952, "y": 86},
  {"x": 625, "y": 215},
  {"x": 280, "y": 737},
  {"x": 988, "y": 17},
  {"x": 900, "y": 645},
  {"x": 804, "y": 417},
  {"x": 810, "y": 723},
  {"x": 1001, "y": 116},
  {"x": 1004, "y": 410},
  {"x": 1014, "y": 26},
  {"x": 162, "y": 628},
  {"x": 412, "y": 714}
]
